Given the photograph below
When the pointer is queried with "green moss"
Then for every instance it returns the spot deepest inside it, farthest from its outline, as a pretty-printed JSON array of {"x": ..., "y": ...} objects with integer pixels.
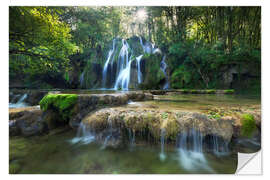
[
  {"x": 229, "y": 91},
  {"x": 62, "y": 103},
  {"x": 210, "y": 91},
  {"x": 248, "y": 125},
  {"x": 193, "y": 91}
]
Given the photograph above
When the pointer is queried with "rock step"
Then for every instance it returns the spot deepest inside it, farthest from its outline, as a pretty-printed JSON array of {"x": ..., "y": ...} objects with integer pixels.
[{"x": 191, "y": 91}]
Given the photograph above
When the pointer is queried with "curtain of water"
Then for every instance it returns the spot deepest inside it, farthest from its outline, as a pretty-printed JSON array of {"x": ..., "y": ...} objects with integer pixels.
[{"x": 105, "y": 69}]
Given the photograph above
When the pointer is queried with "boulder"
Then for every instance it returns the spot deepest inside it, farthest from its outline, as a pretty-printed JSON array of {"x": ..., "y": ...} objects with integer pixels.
[{"x": 27, "y": 122}]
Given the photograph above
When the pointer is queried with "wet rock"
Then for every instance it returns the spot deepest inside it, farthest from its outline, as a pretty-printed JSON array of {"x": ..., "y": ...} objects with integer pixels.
[
  {"x": 33, "y": 97},
  {"x": 26, "y": 123},
  {"x": 152, "y": 121}
]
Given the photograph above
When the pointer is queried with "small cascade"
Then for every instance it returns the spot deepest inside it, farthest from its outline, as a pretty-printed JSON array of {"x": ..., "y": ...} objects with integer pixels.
[
  {"x": 190, "y": 151},
  {"x": 82, "y": 79},
  {"x": 142, "y": 44},
  {"x": 163, "y": 67},
  {"x": 131, "y": 134},
  {"x": 220, "y": 147},
  {"x": 20, "y": 103},
  {"x": 84, "y": 135},
  {"x": 138, "y": 59},
  {"x": 104, "y": 73},
  {"x": 162, "y": 154},
  {"x": 110, "y": 135}
]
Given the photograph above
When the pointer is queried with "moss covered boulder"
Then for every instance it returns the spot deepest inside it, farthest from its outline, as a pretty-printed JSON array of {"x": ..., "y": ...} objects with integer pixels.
[{"x": 58, "y": 108}]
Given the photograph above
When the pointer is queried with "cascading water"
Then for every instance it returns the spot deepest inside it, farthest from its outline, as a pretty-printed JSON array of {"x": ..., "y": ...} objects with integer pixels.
[
  {"x": 19, "y": 103},
  {"x": 138, "y": 59},
  {"x": 82, "y": 79},
  {"x": 163, "y": 67},
  {"x": 104, "y": 73},
  {"x": 110, "y": 134},
  {"x": 190, "y": 151},
  {"x": 220, "y": 147},
  {"x": 146, "y": 47},
  {"x": 84, "y": 135},
  {"x": 124, "y": 66},
  {"x": 162, "y": 155},
  {"x": 131, "y": 134}
]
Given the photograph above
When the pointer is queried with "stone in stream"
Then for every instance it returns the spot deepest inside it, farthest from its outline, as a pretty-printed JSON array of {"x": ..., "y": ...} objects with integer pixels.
[{"x": 26, "y": 122}]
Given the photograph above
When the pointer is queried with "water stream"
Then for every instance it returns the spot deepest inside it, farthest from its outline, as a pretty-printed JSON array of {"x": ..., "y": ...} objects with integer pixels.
[
  {"x": 163, "y": 67},
  {"x": 105, "y": 69}
]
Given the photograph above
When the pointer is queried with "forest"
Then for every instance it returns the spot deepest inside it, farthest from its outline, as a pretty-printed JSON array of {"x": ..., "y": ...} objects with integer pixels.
[{"x": 205, "y": 47}]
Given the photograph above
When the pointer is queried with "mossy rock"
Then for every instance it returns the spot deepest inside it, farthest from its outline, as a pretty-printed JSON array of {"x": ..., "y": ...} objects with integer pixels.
[
  {"x": 211, "y": 91},
  {"x": 228, "y": 91},
  {"x": 248, "y": 125},
  {"x": 62, "y": 104}
]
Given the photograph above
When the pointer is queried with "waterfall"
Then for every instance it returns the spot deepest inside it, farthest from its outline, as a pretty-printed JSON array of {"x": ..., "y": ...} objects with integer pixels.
[
  {"x": 84, "y": 135},
  {"x": 122, "y": 80},
  {"x": 104, "y": 73},
  {"x": 139, "y": 68},
  {"x": 110, "y": 134},
  {"x": 20, "y": 103},
  {"x": 163, "y": 67},
  {"x": 162, "y": 155},
  {"x": 220, "y": 147},
  {"x": 131, "y": 134},
  {"x": 142, "y": 44},
  {"x": 190, "y": 151},
  {"x": 82, "y": 79}
]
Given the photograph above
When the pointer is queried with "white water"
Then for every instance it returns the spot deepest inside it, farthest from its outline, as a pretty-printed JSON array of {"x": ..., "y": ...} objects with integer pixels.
[
  {"x": 147, "y": 48},
  {"x": 84, "y": 135},
  {"x": 81, "y": 79},
  {"x": 142, "y": 44},
  {"x": 20, "y": 103},
  {"x": 138, "y": 59},
  {"x": 110, "y": 134},
  {"x": 190, "y": 152},
  {"x": 104, "y": 73},
  {"x": 163, "y": 67},
  {"x": 124, "y": 66},
  {"x": 162, "y": 154}
]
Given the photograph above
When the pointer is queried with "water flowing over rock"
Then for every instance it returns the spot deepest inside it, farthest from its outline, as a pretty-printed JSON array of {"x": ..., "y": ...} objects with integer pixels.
[
  {"x": 190, "y": 148},
  {"x": 139, "y": 68},
  {"x": 20, "y": 103},
  {"x": 124, "y": 68},
  {"x": 105, "y": 69},
  {"x": 163, "y": 67},
  {"x": 156, "y": 123}
]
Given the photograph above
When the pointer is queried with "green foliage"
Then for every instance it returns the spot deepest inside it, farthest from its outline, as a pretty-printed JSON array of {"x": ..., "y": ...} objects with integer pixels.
[
  {"x": 39, "y": 43},
  {"x": 164, "y": 115},
  {"x": 62, "y": 103},
  {"x": 248, "y": 125}
]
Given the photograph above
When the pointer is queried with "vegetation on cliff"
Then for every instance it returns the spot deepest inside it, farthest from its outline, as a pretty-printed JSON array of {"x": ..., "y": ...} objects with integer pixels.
[{"x": 206, "y": 47}]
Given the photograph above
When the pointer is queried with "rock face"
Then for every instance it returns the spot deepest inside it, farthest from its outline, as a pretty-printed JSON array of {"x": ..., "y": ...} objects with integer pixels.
[
  {"x": 26, "y": 122},
  {"x": 150, "y": 122}
]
